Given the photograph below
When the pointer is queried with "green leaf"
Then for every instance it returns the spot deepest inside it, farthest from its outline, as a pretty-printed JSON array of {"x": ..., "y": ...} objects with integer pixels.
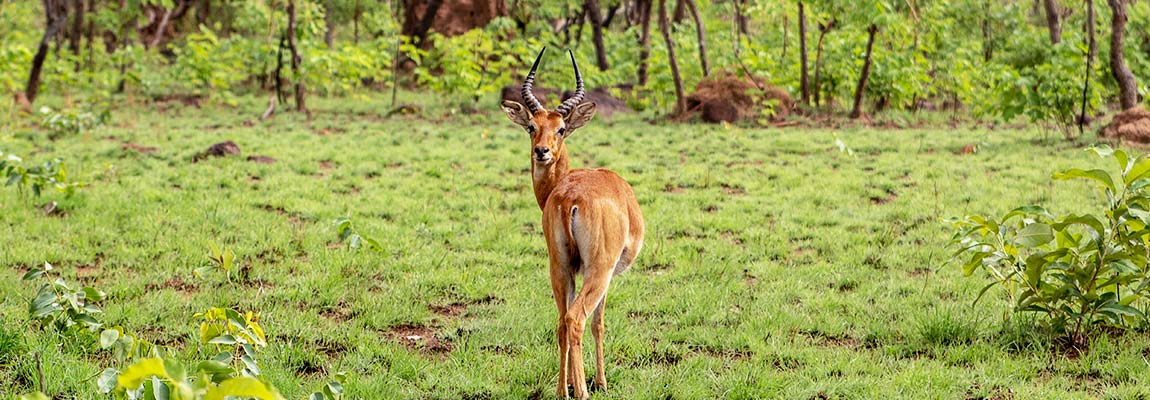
[
  {"x": 242, "y": 387},
  {"x": 1096, "y": 175},
  {"x": 93, "y": 294},
  {"x": 33, "y": 274},
  {"x": 1121, "y": 309},
  {"x": 134, "y": 376},
  {"x": 108, "y": 338},
  {"x": 1141, "y": 169},
  {"x": 106, "y": 383},
  {"x": 1034, "y": 235},
  {"x": 44, "y": 304},
  {"x": 34, "y": 396},
  {"x": 224, "y": 340}
]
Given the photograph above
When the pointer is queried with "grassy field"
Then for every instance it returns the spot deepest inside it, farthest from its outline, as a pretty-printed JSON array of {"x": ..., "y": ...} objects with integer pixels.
[{"x": 775, "y": 265}]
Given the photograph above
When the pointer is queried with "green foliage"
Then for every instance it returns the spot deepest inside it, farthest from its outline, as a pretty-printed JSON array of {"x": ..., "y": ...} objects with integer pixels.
[
  {"x": 50, "y": 174},
  {"x": 166, "y": 378},
  {"x": 222, "y": 260},
  {"x": 71, "y": 123},
  {"x": 348, "y": 233},
  {"x": 1080, "y": 270},
  {"x": 58, "y": 305}
]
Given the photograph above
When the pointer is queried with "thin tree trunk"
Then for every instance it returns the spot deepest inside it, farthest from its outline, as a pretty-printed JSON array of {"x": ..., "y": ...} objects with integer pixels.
[
  {"x": 740, "y": 19},
  {"x": 329, "y": 24},
  {"x": 1127, "y": 85},
  {"x": 91, "y": 33},
  {"x": 987, "y": 41},
  {"x": 1053, "y": 22},
  {"x": 77, "y": 31},
  {"x": 804, "y": 80},
  {"x": 591, "y": 9},
  {"x": 786, "y": 24},
  {"x": 701, "y": 32},
  {"x": 856, "y": 112},
  {"x": 645, "y": 40},
  {"x": 1092, "y": 47},
  {"x": 56, "y": 15},
  {"x": 296, "y": 59},
  {"x": 610, "y": 16},
  {"x": 355, "y": 23},
  {"x": 680, "y": 11},
  {"x": 424, "y": 25},
  {"x": 179, "y": 9},
  {"x": 665, "y": 27},
  {"x": 823, "y": 29}
]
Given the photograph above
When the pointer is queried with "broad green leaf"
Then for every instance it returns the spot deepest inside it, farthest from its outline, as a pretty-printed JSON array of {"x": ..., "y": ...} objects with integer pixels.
[
  {"x": 106, "y": 383},
  {"x": 134, "y": 376},
  {"x": 1122, "y": 309},
  {"x": 33, "y": 274},
  {"x": 1096, "y": 175},
  {"x": 243, "y": 387},
  {"x": 223, "y": 339},
  {"x": 34, "y": 396},
  {"x": 44, "y": 304},
  {"x": 1034, "y": 235},
  {"x": 108, "y": 338}
]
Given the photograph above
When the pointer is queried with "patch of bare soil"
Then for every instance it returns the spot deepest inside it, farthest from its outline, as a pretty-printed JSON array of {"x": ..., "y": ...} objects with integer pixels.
[
  {"x": 419, "y": 337},
  {"x": 262, "y": 159},
  {"x": 830, "y": 340},
  {"x": 1132, "y": 125},
  {"x": 728, "y": 97},
  {"x": 457, "y": 308},
  {"x": 606, "y": 104},
  {"x": 138, "y": 148},
  {"x": 177, "y": 283},
  {"x": 221, "y": 149}
]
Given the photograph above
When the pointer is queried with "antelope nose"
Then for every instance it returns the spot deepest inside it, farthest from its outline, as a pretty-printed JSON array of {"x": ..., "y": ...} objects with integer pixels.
[{"x": 541, "y": 151}]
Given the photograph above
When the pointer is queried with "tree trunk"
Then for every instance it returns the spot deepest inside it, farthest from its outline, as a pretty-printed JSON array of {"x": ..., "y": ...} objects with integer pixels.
[
  {"x": 1053, "y": 21},
  {"x": 740, "y": 19},
  {"x": 610, "y": 16},
  {"x": 1127, "y": 86},
  {"x": 91, "y": 33},
  {"x": 178, "y": 11},
  {"x": 418, "y": 28},
  {"x": 77, "y": 31},
  {"x": 645, "y": 40},
  {"x": 665, "y": 27},
  {"x": 355, "y": 23},
  {"x": 680, "y": 11},
  {"x": 329, "y": 24},
  {"x": 1092, "y": 47},
  {"x": 823, "y": 29},
  {"x": 591, "y": 8},
  {"x": 987, "y": 41},
  {"x": 701, "y": 32},
  {"x": 57, "y": 15},
  {"x": 296, "y": 59},
  {"x": 856, "y": 112},
  {"x": 804, "y": 80}
]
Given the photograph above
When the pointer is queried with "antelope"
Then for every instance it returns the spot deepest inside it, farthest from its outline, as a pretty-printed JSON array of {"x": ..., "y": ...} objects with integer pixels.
[{"x": 591, "y": 221}]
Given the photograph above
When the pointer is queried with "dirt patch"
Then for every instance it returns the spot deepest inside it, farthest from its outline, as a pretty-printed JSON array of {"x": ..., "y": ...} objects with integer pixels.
[
  {"x": 419, "y": 337},
  {"x": 887, "y": 198},
  {"x": 176, "y": 283},
  {"x": 731, "y": 237},
  {"x": 329, "y": 131},
  {"x": 1132, "y": 125},
  {"x": 658, "y": 269},
  {"x": 733, "y": 190},
  {"x": 720, "y": 352},
  {"x": 457, "y": 308},
  {"x": 606, "y": 104},
  {"x": 544, "y": 95},
  {"x": 326, "y": 164},
  {"x": 749, "y": 278},
  {"x": 221, "y": 149},
  {"x": 830, "y": 340},
  {"x": 138, "y": 148},
  {"x": 674, "y": 188},
  {"x": 729, "y": 98},
  {"x": 262, "y": 159},
  {"x": 406, "y": 109}
]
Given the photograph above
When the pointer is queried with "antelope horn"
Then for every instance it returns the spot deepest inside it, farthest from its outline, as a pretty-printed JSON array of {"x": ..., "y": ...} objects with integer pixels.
[
  {"x": 570, "y": 104},
  {"x": 528, "y": 97}
]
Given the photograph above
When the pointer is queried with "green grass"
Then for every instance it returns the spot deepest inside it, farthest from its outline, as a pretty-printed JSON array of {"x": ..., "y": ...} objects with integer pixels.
[{"x": 775, "y": 265}]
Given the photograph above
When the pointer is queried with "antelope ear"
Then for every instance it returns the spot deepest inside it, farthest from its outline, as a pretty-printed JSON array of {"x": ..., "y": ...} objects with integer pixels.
[
  {"x": 518, "y": 114},
  {"x": 579, "y": 116}
]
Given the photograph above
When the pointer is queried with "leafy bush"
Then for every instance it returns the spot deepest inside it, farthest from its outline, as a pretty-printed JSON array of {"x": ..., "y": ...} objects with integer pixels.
[
  {"x": 1081, "y": 271},
  {"x": 59, "y": 305},
  {"x": 72, "y": 123},
  {"x": 50, "y": 174}
]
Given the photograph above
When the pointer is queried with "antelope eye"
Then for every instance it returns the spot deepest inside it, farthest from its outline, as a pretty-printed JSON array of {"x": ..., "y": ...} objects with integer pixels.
[
  {"x": 531, "y": 129},
  {"x": 561, "y": 131}
]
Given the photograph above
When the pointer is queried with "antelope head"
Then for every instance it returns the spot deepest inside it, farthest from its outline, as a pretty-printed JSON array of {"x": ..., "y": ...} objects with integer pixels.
[{"x": 548, "y": 129}]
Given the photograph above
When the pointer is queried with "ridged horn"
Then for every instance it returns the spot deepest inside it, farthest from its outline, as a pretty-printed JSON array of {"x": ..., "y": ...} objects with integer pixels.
[
  {"x": 570, "y": 103},
  {"x": 529, "y": 97}
]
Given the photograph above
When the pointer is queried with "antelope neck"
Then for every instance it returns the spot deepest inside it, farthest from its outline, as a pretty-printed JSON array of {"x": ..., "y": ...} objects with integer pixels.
[{"x": 546, "y": 178}]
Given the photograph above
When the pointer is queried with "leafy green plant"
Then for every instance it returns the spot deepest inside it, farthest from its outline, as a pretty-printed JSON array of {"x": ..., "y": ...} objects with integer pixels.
[
  {"x": 1080, "y": 270},
  {"x": 50, "y": 174},
  {"x": 71, "y": 123},
  {"x": 59, "y": 305},
  {"x": 223, "y": 260},
  {"x": 126, "y": 348},
  {"x": 165, "y": 378},
  {"x": 332, "y": 389},
  {"x": 235, "y": 335},
  {"x": 348, "y": 233}
]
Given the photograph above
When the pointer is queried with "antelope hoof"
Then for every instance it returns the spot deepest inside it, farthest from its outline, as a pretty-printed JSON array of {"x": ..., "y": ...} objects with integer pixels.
[
  {"x": 564, "y": 392},
  {"x": 598, "y": 386}
]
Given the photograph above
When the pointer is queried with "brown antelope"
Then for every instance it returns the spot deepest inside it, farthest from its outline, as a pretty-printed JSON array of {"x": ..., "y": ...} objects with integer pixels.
[{"x": 591, "y": 221}]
